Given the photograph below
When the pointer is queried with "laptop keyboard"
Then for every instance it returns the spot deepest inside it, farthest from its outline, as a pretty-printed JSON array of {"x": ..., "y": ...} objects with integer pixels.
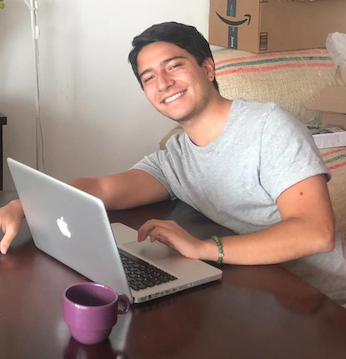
[{"x": 142, "y": 275}]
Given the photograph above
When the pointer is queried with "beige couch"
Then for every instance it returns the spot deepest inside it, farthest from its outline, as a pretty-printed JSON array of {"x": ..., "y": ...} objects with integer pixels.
[{"x": 288, "y": 79}]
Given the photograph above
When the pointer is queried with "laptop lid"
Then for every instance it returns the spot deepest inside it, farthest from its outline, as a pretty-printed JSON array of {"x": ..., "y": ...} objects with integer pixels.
[{"x": 73, "y": 227}]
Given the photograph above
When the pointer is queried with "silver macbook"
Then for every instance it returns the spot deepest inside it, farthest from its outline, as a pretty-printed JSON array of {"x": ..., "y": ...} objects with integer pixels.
[{"x": 73, "y": 227}]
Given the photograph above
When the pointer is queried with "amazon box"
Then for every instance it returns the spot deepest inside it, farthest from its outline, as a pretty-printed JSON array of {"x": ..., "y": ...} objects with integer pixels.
[{"x": 274, "y": 25}]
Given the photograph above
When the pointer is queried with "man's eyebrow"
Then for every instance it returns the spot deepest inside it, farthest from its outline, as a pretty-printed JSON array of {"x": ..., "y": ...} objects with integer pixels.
[{"x": 164, "y": 62}]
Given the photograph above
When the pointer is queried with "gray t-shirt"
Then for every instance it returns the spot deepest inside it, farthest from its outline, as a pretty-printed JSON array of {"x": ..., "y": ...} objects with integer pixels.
[{"x": 236, "y": 179}]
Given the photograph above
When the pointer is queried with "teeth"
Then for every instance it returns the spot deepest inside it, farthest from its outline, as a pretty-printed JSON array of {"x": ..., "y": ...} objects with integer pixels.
[{"x": 174, "y": 97}]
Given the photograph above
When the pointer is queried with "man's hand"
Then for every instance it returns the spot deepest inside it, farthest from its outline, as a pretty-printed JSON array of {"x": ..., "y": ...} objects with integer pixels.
[
  {"x": 171, "y": 234},
  {"x": 11, "y": 217}
]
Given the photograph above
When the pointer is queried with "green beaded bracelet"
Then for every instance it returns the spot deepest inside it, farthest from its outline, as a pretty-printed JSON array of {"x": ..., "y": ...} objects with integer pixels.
[{"x": 219, "y": 245}]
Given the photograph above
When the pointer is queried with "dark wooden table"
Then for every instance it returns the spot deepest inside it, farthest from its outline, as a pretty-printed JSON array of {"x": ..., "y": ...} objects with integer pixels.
[{"x": 254, "y": 312}]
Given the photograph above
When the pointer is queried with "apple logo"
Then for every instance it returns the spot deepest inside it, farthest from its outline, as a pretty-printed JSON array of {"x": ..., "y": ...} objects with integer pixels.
[{"x": 63, "y": 227}]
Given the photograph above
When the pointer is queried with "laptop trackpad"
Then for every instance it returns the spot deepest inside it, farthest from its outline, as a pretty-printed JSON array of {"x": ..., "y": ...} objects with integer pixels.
[{"x": 151, "y": 251}]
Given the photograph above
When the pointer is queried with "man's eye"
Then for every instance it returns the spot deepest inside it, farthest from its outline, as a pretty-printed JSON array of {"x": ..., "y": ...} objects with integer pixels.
[
  {"x": 146, "y": 80},
  {"x": 175, "y": 66}
]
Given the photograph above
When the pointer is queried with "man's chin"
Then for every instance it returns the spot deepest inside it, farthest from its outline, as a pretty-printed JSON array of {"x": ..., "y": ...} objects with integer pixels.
[{"x": 179, "y": 119}]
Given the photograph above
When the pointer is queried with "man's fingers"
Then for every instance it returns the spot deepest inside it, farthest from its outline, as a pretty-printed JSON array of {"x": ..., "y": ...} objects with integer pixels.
[
  {"x": 6, "y": 240},
  {"x": 144, "y": 231},
  {"x": 3, "y": 248},
  {"x": 147, "y": 227}
]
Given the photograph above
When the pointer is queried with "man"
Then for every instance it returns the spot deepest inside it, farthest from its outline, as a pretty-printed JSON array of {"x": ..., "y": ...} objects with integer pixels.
[{"x": 248, "y": 166}]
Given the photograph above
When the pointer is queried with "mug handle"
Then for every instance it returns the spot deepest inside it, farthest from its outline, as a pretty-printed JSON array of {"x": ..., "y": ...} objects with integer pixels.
[{"x": 124, "y": 304}]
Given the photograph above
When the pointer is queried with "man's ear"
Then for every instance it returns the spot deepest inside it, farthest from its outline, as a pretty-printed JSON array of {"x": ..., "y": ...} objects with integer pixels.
[{"x": 209, "y": 67}]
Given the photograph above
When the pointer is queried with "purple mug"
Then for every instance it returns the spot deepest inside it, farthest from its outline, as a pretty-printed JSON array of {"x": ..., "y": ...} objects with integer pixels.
[{"x": 91, "y": 310}]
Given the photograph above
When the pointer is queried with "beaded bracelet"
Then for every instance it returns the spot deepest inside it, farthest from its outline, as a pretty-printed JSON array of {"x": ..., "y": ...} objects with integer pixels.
[{"x": 219, "y": 245}]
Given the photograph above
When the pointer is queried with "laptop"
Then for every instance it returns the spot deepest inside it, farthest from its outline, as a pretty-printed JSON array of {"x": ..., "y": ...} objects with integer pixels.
[{"x": 73, "y": 227}]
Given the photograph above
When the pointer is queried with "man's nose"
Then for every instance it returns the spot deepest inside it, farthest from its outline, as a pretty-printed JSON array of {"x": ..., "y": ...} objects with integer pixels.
[{"x": 164, "y": 81}]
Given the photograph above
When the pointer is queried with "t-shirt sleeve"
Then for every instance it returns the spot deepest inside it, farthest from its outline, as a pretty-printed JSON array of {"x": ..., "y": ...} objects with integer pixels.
[
  {"x": 153, "y": 164},
  {"x": 288, "y": 153}
]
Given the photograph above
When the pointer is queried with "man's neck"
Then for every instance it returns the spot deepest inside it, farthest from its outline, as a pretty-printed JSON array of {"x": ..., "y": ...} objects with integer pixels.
[{"x": 209, "y": 125}]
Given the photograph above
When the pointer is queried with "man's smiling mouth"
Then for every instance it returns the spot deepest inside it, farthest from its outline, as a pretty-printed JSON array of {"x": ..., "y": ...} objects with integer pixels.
[{"x": 174, "y": 97}]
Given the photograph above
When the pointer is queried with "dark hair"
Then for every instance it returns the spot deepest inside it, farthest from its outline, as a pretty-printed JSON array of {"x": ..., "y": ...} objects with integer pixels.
[{"x": 185, "y": 36}]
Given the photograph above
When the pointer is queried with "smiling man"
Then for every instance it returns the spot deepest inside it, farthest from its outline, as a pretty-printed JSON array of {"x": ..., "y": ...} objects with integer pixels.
[
  {"x": 166, "y": 66},
  {"x": 268, "y": 182},
  {"x": 182, "y": 90}
]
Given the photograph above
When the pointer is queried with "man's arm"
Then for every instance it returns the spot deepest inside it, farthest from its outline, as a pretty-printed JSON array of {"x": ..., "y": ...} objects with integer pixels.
[
  {"x": 307, "y": 227},
  {"x": 128, "y": 189},
  {"x": 124, "y": 190}
]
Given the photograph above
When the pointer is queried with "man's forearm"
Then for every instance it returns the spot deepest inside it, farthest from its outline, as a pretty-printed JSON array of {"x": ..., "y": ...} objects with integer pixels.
[
  {"x": 124, "y": 190},
  {"x": 89, "y": 185},
  {"x": 287, "y": 240},
  {"x": 94, "y": 187}
]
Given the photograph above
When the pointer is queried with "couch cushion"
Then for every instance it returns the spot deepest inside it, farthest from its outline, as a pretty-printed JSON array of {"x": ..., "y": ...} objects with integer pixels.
[{"x": 288, "y": 79}]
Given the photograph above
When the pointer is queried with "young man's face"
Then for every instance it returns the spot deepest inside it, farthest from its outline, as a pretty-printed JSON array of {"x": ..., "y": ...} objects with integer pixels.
[{"x": 173, "y": 81}]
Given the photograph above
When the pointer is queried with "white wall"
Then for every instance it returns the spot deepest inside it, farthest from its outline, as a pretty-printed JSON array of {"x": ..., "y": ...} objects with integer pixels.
[{"x": 96, "y": 119}]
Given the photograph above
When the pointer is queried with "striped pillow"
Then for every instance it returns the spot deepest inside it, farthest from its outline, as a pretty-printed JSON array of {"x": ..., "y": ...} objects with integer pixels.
[
  {"x": 286, "y": 78},
  {"x": 334, "y": 158}
]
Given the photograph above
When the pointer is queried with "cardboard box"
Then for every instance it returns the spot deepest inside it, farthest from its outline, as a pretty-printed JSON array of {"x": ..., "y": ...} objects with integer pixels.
[
  {"x": 274, "y": 25},
  {"x": 328, "y": 137},
  {"x": 331, "y": 101}
]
